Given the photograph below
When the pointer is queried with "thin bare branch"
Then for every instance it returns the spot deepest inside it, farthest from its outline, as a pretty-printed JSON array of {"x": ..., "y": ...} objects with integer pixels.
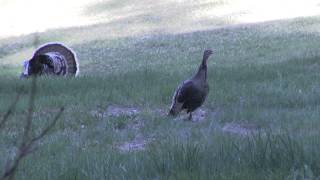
[
  {"x": 11, "y": 169},
  {"x": 28, "y": 124},
  {"x": 49, "y": 127},
  {"x": 27, "y": 145},
  {"x": 9, "y": 173},
  {"x": 10, "y": 110}
]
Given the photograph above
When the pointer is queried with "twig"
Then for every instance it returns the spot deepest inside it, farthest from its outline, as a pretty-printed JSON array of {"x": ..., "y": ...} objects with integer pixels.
[
  {"x": 10, "y": 110},
  {"x": 28, "y": 124},
  {"x": 50, "y": 126},
  {"x": 26, "y": 147},
  {"x": 27, "y": 144}
]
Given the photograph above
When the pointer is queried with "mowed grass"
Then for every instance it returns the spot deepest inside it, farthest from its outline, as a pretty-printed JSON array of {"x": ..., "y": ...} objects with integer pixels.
[{"x": 262, "y": 75}]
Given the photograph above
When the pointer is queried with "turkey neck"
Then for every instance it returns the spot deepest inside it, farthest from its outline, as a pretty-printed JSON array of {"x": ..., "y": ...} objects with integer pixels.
[{"x": 202, "y": 71}]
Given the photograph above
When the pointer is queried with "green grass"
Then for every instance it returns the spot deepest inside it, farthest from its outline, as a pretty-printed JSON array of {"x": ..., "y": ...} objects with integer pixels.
[{"x": 266, "y": 75}]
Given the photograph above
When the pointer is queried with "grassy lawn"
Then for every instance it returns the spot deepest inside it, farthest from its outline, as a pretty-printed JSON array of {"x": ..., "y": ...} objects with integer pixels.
[{"x": 261, "y": 118}]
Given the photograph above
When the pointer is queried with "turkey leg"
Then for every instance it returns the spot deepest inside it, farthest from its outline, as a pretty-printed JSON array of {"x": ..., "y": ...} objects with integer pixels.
[{"x": 190, "y": 116}]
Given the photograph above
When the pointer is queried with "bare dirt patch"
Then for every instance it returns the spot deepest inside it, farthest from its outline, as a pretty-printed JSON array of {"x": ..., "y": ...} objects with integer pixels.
[
  {"x": 138, "y": 144},
  {"x": 240, "y": 129},
  {"x": 116, "y": 111},
  {"x": 197, "y": 116},
  {"x": 160, "y": 111}
]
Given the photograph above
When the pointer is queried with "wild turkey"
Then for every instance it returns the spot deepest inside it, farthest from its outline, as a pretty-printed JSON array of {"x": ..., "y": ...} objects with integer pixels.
[
  {"x": 51, "y": 59},
  {"x": 192, "y": 93}
]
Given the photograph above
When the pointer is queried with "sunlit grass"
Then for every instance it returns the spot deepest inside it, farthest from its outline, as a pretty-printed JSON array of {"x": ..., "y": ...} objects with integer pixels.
[{"x": 145, "y": 16}]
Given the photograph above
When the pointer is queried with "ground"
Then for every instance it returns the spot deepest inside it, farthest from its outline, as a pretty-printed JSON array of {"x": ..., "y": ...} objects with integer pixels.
[{"x": 260, "y": 120}]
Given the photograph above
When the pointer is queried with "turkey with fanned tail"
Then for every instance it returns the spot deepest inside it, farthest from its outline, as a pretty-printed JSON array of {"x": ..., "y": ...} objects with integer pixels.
[
  {"x": 192, "y": 93},
  {"x": 51, "y": 59}
]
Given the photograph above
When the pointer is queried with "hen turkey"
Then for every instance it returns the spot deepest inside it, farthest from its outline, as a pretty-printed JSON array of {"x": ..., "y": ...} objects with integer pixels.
[{"x": 192, "y": 93}]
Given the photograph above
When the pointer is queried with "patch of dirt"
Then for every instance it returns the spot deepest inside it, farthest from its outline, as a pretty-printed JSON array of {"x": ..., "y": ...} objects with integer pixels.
[
  {"x": 46, "y": 112},
  {"x": 137, "y": 124},
  {"x": 197, "y": 116},
  {"x": 240, "y": 129},
  {"x": 315, "y": 89},
  {"x": 138, "y": 144},
  {"x": 116, "y": 111},
  {"x": 313, "y": 67},
  {"x": 160, "y": 112}
]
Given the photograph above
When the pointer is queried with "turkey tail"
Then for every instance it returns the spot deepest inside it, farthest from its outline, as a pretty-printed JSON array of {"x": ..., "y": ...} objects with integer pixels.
[{"x": 67, "y": 63}]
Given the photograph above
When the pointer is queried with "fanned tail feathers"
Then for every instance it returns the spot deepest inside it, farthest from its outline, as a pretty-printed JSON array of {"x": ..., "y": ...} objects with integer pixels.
[{"x": 69, "y": 57}]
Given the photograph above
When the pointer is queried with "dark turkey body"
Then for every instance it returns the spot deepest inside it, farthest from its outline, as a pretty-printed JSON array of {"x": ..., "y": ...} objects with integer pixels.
[{"x": 193, "y": 95}]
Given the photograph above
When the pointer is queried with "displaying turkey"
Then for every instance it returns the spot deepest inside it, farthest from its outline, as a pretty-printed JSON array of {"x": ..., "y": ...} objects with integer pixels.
[
  {"x": 51, "y": 59},
  {"x": 192, "y": 93}
]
